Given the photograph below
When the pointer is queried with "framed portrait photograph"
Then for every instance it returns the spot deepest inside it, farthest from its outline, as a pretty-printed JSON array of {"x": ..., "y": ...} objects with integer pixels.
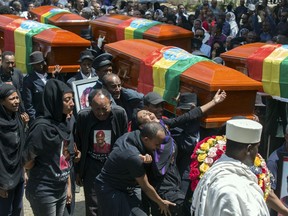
[{"x": 81, "y": 89}]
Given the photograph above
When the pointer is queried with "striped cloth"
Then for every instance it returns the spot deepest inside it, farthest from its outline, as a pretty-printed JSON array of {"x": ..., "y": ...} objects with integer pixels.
[
  {"x": 134, "y": 28},
  {"x": 268, "y": 64},
  {"x": 161, "y": 71},
  {"x": 18, "y": 38},
  {"x": 44, "y": 17}
]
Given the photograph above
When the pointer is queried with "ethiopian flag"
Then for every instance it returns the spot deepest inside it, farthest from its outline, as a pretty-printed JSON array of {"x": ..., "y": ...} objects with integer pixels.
[
  {"x": 44, "y": 18},
  {"x": 161, "y": 71},
  {"x": 269, "y": 65},
  {"x": 19, "y": 36},
  {"x": 134, "y": 28}
]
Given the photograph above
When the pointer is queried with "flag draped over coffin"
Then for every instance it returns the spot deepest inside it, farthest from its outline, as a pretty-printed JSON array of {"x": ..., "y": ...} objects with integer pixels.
[
  {"x": 134, "y": 28},
  {"x": 18, "y": 38},
  {"x": 269, "y": 65},
  {"x": 161, "y": 71}
]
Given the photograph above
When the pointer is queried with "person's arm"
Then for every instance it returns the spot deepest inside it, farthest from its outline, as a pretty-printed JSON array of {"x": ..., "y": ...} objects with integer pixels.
[
  {"x": 218, "y": 98},
  {"x": 196, "y": 112},
  {"x": 152, "y": 194},
  {"x": 275, "y": 203}
]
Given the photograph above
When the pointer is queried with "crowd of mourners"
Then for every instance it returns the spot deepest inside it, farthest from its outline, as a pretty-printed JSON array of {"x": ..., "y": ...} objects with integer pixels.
[{"x": 129, "y": 157}]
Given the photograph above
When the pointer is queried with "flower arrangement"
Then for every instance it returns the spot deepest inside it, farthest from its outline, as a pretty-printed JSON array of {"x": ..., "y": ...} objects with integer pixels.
[{"x": 210, "y": 149}]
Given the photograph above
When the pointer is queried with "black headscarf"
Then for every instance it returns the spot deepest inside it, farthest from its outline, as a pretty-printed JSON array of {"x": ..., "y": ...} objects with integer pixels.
[
  {"x": 11, "y": 142},
  {"x": 53, "y": 105}
]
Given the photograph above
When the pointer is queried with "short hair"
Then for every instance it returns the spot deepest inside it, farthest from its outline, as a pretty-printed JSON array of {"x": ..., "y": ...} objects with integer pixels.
[
  {"x": 7, "y": 53},
  {"x": 151, "y": 129},
  {"x": 236, "y": 147},
  {"x": 107, "y": 76},
  {"x": 95, "y": 92}
]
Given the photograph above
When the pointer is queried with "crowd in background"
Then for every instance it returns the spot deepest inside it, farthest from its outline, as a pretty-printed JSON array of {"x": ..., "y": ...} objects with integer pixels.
[
  {"x": 216, "y": 27},
  {"x": 112, "y": 112}
]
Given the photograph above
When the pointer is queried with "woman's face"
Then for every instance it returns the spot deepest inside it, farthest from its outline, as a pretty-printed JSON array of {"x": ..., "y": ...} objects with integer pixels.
[
  {"x": 68, "y": 103},
  {"x": 144, "y": 116},
  {"x": 11, "y": 103}
]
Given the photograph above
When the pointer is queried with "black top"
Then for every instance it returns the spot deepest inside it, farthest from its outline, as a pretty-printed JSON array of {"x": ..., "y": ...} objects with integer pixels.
[
  {"x": 11, "y": 145},
  {"x": 124, "y": 164}
]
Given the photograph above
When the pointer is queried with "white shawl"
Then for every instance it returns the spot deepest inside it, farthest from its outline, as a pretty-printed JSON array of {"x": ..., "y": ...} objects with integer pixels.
[{"x": 228, "y": 188}]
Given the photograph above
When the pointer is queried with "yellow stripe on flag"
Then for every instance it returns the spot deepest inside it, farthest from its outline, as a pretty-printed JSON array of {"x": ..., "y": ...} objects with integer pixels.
[
  {"x": 20, "y": 48},
  {"x": 43, "y": 16},
  {"x": 159, "y": 71},
  {"x": 129, "y": 32},
  {"x": 271, "y": 71}
]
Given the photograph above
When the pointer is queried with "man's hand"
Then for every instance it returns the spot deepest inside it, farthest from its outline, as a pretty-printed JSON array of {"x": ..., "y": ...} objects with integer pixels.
[
  {"x": 219, "y": 96},
  {"x": 146, "y": 158},
  {"x": 164, "y": 207},
  {"x": 57, "y": 70},
  {"x": 100, "y": 41},
  {"x": 3, "y": 193}
]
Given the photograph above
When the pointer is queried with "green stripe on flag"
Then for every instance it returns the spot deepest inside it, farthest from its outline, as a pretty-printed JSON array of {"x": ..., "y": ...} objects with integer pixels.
[
  {"x": 142, "y": 25},
  {"x": 172, "y": 77},
  {"x": 283, "y": 78}
]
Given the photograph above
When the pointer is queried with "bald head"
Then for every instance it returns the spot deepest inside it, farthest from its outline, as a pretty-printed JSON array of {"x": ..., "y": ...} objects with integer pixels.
[{"x": 112, "y": 83}]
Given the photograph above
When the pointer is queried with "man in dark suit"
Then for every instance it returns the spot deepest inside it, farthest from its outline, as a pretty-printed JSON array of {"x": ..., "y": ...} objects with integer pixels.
[
  {"x": 86, "y": 71},
  {"x": 34, "y": 83}
]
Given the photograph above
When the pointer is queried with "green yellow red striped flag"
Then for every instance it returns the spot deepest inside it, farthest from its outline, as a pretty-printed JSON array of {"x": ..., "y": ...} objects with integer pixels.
[
  {"x": 269, "y": 64},
  {"x": 23, "y": 41},
  {"x": 134, "y": 28},
  {"x": 161, "y": 71},
  {"x": 44, "y": 18}
]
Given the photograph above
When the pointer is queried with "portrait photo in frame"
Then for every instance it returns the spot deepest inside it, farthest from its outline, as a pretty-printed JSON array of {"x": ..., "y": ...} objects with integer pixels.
[{"x": 81, "y": 89}]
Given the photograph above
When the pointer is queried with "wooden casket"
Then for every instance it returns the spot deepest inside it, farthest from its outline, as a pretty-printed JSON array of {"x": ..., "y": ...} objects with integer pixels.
[
  {"x": 151, "y": 66},
  {"x": 25, "y": 36},
  {"x": 61, "y": 18},
  {"x": 117, "y": 27},
  {"x": 266, "y": 63}
]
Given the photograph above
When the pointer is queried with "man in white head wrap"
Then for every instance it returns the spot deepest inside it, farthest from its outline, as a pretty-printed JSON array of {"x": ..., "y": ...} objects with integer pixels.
[{"x": 229, "y": 187}]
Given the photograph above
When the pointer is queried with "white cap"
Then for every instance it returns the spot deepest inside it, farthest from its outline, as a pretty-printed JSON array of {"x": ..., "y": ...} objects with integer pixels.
[{"x": 243, "y": 131}]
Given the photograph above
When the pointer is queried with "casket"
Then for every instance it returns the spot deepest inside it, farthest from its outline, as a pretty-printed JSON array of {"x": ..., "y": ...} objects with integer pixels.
[
  {"x": 61, "y": 18},
  {"x": 151, "y": 66},
  {"x": 58, "y": 46},
  {"x": 117, "y": 27},
  {"x": 266, "y": 63}
]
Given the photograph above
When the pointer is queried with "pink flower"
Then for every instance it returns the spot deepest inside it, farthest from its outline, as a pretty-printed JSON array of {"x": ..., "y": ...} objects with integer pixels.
[{"x": 209, "y": 160}]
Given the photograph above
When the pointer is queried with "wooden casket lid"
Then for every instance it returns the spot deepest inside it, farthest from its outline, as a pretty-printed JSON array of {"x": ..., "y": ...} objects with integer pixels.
[
  {"x": 60, "y": 19},
  {"x": 53, "y": 36},
  {"x": 207, "y": 75},
  {"x": 60, "y": 37},
  {"x": 156, "y": 33},
  {"x": 241, "y": 53},
  {"x": 135, "y": 49},
  {"x": 211, "y": 77}
]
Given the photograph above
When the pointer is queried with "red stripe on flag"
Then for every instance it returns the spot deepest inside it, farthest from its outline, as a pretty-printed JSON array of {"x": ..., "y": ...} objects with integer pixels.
[
  {"x": 145, "y": 80},
  {"x": 9, "y": 44},
  {"x": 255, "y": 61},
  {"x": 120, "y": 30}
]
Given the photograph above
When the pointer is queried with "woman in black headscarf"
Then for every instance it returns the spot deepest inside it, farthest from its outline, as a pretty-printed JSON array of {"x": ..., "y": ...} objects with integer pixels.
[
  {"x": 47, "y": 152},
  {"x": 11, "y": 146}
]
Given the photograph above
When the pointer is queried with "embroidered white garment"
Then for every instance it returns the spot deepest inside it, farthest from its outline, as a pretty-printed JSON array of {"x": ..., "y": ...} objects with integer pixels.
[{"x": 229, "y": 188}]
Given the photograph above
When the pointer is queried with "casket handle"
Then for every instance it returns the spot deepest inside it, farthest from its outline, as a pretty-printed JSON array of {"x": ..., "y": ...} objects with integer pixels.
[{"x": 124, "y": 74}]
